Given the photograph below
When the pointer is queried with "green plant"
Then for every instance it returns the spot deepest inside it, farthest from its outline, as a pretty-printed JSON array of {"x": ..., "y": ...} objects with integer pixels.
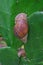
[{"x": 34, "y": 46}]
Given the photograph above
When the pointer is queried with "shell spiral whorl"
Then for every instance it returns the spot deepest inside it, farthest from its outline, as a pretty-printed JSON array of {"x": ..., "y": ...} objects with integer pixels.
[{"x": 21, "y": 26}]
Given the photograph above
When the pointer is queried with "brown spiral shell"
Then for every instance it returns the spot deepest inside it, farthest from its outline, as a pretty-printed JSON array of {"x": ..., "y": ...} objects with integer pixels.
[{"x": 21, "y": 26}]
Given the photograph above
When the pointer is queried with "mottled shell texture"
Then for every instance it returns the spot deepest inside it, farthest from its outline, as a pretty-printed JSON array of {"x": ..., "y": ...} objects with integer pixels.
[{"x": 21, "y": 26}]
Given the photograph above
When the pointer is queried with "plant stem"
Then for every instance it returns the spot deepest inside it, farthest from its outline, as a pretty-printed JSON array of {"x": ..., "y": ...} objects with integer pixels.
[{"x": 19, "y": 61}]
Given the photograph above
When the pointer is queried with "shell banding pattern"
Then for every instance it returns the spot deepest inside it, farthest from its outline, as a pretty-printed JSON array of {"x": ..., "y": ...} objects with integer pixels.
[{"x": 21, "y": 28}]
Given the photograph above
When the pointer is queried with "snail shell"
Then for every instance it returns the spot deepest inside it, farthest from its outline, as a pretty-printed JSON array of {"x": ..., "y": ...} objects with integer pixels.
[
  {"x": 21, "y": 27},
  {"x": 2, "y": 42},
  {"x": 21, "y": 52}
]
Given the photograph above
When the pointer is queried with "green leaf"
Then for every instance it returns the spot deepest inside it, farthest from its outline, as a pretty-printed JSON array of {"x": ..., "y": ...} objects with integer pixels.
[
  {"x": 34, "y": 46},
  {"x": 8, "y": 56}
]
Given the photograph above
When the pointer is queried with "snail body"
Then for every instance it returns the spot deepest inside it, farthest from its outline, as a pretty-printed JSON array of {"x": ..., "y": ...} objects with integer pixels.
[{"x": 21, "y": 27}]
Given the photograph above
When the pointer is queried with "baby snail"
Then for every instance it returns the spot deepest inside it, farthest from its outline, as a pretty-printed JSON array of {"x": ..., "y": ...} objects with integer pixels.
[
  {"x": 21, "y": 27},
  {"x": 21, "y": 52},
  {"x": 2, "y": 42}
]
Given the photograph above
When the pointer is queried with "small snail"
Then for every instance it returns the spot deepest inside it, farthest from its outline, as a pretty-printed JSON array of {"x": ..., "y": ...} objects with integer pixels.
[
  {"x": 21, "y": 52},
  {"x": 2, "y": 42},
  {"x": 21, "y": 27}
]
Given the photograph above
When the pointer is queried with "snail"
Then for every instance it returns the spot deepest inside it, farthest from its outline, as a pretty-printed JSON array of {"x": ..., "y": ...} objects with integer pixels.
[
  {"x": 21, "y": 52},
  {"x": 21, "y": 27},
  {"x": 2, "y": 42}
]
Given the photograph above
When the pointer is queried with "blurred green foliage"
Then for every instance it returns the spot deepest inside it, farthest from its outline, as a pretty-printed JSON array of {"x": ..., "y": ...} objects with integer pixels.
[
  {"x": 8, "y": 56},
  {"x": 34, "y": 47}
]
